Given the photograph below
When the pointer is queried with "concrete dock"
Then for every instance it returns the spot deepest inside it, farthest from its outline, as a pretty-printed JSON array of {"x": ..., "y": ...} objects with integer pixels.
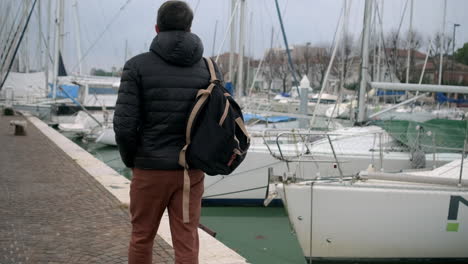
[{"x": 58, "y": 204}]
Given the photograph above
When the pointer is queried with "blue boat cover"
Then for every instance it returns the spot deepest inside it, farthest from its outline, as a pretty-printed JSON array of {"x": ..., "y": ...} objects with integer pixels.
[
  {"x": 70, "y": 89},
  {"x": 271, "y": 119},
  {"x": 441, "y": 98},
  {"x": 390, "y": 93},
  {"x": 229, "y": 87}
]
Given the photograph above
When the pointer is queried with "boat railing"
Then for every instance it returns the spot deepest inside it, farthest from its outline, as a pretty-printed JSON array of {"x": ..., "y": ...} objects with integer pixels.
[
  {"x": 298, "y": 146},
  {"x": 337, "y": 147}
]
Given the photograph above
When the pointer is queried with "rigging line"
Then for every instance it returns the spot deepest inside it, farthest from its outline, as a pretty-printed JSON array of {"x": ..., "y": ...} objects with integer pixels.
[
  {"x": 330, "y": 63},
  {"x": 116, "y": 53},
  {"x": 240, "y": 191},
  {"x": 5, "y": 19},
  {"x": 337, "y": 27},
  {"x": 196, "y": 8},
  {"x": 114, "y": 18},
  {"x": 383, "y": 43},
  {"x": 13, "y": 25},
  {"x": 276, "y": 38},
  {"x": 239, "y": 173},
  {"x": 5, "y": 55},
  {"x": 227, "y": 30},
  {"x": 291, "y": 66},
  {"x": 45, "y": 42},
  {"x": 401, "y": 21},
  {"x": 19, "y": 42}
]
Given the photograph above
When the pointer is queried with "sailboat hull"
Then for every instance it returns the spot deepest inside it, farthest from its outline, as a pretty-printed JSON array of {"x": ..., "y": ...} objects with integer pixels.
[{"x": 378, "y": 221}]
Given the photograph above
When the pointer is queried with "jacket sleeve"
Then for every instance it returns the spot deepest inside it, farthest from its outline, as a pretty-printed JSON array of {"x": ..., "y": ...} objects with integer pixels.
[{"x": 127, "y": 115}]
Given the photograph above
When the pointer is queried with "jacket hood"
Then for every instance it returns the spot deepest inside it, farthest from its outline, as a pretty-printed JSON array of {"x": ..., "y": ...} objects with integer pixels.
[{"x": 178, "y": 47}]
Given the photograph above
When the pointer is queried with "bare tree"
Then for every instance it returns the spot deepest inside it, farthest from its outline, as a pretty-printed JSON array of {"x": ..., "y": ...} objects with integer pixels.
[
  {"x": 303, "y": 59},
  {"x": 439, "y": 47},
  {"x": 277, "y": 67},
  {"x": 397, "y": 46}
]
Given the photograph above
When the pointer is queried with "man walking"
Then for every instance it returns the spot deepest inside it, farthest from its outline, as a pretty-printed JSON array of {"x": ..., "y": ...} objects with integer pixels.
[{"x": 156, "y": 93}]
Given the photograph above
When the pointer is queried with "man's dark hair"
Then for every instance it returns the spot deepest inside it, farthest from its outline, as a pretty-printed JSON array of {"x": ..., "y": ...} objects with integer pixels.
[{"x": 174, "y": 15}]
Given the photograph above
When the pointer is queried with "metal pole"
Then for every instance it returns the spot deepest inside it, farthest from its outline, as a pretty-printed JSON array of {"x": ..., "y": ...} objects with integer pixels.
[
  {"x": 442, "y": 43},
  {"x": 373, "y": 42},
  {"x": 425, "y": 63},
  {"x": 126, "y": 50},
  {"x": 78, "y": 36},
  {"x": 57, "y": 47},
  {"x": 365, "y": 61},
  {"x": 303, "y": 107},
  {"x": 39, "y": 36},
  {"x": 461, "y": 165},
  {"x": 334, "y": 155},
  {"x": 25, "y": 45},
  {"x": 343, "y": 46},
  {"x": 233, "y": 41},
  {"x": 410, "y": 39},
  {"x": 240, "y": 73},
  {"x": 249, "y": 52},
  {"x": 381, "y": 152},
  {"x": 420, "y": 87},
  {"x": 398, "y": 105},
  {"x": 380, "y": 43},
  {"x": 433, "y": 151},
  {"x": 453, "y": 43},
  {"x": 48, "y": 48}
]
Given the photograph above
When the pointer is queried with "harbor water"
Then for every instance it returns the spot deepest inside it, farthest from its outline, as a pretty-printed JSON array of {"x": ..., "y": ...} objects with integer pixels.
[{"x": 262, "y": 235}]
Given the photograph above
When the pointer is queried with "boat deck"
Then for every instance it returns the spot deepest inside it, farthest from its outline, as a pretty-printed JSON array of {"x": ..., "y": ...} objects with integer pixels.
[{"x": 53, "y": 211}]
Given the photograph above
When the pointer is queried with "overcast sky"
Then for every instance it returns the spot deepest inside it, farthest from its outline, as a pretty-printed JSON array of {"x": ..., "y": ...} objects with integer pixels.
[{"x": 312, "y": 21}]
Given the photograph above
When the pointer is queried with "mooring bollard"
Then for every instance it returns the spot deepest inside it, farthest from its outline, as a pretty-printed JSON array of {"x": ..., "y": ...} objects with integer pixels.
[
  {"x": 20, "y": 127},
  {"x": 8, "y": 111}
]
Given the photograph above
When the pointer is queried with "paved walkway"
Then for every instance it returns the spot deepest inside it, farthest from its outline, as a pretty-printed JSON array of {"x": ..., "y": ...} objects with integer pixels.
[{"x": 52, "y": 211}]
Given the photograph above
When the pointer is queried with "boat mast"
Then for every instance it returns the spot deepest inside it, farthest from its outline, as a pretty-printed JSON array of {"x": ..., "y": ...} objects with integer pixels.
[
  {"x": 249, "y": 52},
  {"x": 343, "y": 46},
  {"x": 410, "y": 39},
  {"x": 78, "y": 37},
  {"x": 25, "y": 53},
  {"x": 58, "y": 44},
  {"x": 240, "y": 74},
  {"x": 126, "y": 50},
  {"x": 214, "y": 38},
  {"x": 442, "y": 43},
  {"x": 40, "y": 66},
  {"x": 233, "y": 42},
  {"x": 48, "y": 48},
  {"x": 379, "y": 53},
  {"x": 365, "y": 62}
]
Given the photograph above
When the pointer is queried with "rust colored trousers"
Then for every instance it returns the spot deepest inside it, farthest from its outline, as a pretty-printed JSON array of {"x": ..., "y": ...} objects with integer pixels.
[{"x": 151, "y": 192}]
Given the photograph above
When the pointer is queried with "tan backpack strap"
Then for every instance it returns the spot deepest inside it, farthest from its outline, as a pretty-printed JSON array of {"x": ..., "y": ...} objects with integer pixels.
[
  {"x": 186, "y": 198},
  {"x": 213, "y": 77},
  {"x": 241, "y": 124},
  {"x": 203, "y": 94}
]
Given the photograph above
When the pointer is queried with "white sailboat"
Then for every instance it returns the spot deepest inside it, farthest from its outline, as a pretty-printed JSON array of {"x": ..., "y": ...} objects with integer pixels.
[
  {"x": 375, "y": 215},
  {"x": 416, "y": 215}
]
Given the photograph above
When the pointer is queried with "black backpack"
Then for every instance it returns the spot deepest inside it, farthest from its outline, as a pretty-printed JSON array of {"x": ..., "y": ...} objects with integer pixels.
[{"x": 216, "y": 137}]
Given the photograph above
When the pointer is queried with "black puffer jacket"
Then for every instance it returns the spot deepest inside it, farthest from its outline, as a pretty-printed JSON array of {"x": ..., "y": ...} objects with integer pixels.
[{"x": 156, "y": 92}]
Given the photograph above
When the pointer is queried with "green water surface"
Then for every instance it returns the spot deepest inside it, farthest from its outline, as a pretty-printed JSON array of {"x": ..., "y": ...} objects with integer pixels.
[{"x": 260, "y": 234}]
